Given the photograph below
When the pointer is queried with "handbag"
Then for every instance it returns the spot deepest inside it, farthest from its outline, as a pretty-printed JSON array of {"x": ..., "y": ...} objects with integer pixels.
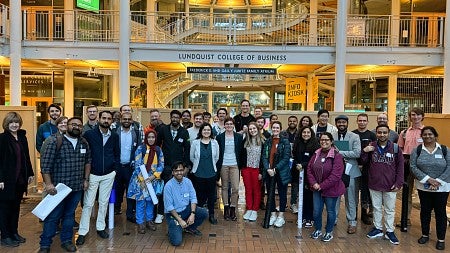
[{"x": 158, "y": 186}]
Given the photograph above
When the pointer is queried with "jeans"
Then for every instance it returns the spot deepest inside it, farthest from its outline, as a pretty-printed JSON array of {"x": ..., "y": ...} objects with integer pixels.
[
  {"x": 64, "y": 212},
  {"x": 122, "y": 180},
  {"x": 175, "y": 231},
  {"x": 144, "y": 211},
  {"x": 252, "y": 188},
  {"x": 438, "y": 202},
  {"x": 330, "y": 203},
  {"x": 282, "y": 192}
]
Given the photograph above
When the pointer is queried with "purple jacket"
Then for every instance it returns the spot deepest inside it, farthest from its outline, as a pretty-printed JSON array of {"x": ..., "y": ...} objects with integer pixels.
[
  {"x": 385, "y": 167},
  {"x": 327, "y": 173}
]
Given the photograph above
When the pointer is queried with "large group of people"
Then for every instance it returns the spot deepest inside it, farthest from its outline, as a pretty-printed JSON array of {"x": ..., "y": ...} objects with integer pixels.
[{"x": 182, "y": 163}]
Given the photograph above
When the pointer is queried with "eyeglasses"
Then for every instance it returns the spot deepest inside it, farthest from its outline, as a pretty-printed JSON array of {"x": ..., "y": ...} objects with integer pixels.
[
  {"x": 76, "y": 125},
  {"x": 325, "y": 140},
  {"x": 92, "y": 111},
  {"x": 127, "y": 119}
]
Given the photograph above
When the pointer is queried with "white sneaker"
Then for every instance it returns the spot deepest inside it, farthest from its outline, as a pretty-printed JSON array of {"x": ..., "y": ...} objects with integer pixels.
[
  {"x": 159, "y": 219},
  {"x": 247, "y": 214},
  {"x": 279, "y": 222},
  {"x": 294, "y": 208},
  {"x": 253, "y": 216},
  {"x": 272, "y": 220}
]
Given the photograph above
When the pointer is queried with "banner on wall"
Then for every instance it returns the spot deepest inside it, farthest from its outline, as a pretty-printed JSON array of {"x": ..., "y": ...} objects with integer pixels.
[{"x": 295, "y": 90}]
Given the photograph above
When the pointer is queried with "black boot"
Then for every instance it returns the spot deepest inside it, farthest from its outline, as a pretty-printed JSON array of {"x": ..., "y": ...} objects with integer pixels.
[
  {"x": 233, "y": 213},
  {"x": 226, "y": 212},
  {"x": 365, "y": 218}
]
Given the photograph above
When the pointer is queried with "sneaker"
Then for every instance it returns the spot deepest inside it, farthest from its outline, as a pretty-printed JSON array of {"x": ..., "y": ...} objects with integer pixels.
[
  {"x": 81, "y": 239},
  {"x": 272, "y": 220},
  {"x": 247, "y": 214},
  {"x": 309, "y": 224},
  {"x": 253, "y": 216},
  {"x": 374, "y": 233},
  {"x": 279, "y": 222},
  {"x": 193, "y": 231},
  {"x": 294, "y": 208},
  {"x": 316, "y": 234},
  {"x": 327, "y": 237},
  {"x": 159, "y": 219},
  {"x": 392, "y": 238}
]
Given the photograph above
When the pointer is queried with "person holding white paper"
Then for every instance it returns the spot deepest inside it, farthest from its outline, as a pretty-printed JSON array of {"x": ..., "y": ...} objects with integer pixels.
[
  {"x": 69, "y": 164},
  {"x": 15, "y": 174},
  {"x": 150, "y": 156}
]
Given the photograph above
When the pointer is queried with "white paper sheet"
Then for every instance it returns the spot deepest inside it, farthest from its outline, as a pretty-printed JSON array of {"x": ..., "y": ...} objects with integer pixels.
[
  {"x": 348, "y": 168},
  {"x": 46, "y": 206},
  {"x": 149, "y": 185}
]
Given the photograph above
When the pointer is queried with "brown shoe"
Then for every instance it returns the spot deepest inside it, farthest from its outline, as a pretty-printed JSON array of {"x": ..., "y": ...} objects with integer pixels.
[
  {"x": 351, "y": 229},
  {"x": 141, "y": 228},
  {"x": 151, "y": 225}
]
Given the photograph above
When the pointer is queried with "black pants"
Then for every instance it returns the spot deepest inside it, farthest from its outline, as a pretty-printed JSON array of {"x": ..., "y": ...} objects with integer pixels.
[
  {"x": 438, "y": 202},
  {"x": 206, "y": 191},
  {"x": 9, "y": 215},
  {"x": 366, "y": 201},
  {"x": 308, "y": 206},
  {"x": 122, "y": 180}
]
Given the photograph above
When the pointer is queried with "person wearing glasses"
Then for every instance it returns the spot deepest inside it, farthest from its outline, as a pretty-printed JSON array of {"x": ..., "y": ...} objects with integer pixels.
[
  {"x": 70, "y": 165},
  {"x": 324, "y": 177},
  {"x": 92, "y": 115}
]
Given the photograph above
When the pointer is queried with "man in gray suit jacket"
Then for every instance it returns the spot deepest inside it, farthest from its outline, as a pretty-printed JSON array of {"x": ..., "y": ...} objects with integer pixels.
[{"x": 349, "y": 147}]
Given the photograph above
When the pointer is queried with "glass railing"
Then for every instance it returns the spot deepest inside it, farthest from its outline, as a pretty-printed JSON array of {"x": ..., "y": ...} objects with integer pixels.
[{"x": 289, "y": 29}]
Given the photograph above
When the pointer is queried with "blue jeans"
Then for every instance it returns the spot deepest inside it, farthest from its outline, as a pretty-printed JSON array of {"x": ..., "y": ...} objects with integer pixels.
[
  {"x": 65, "y": 212},
  {"x": 330, "y": 203},
  {"x": 175, "y": 231},
  {"x": 144, "y": 211}
]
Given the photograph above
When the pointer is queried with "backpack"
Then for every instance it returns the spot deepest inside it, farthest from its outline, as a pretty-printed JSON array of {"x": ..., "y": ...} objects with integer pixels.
[{"x": 444, "y": 150}]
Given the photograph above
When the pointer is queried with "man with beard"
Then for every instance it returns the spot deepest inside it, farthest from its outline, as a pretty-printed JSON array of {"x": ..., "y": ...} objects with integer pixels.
[
  {"x": 290, "y": 133},
  {"x": 155, "y": 120},
  {"x": 382, "y": 119},
  {"x": 92, "y": 115},
  {"x": 105, "y": 153},
  {"x": 174, "y": 142},
  {"x": 366, "y": 137},
  {"x": 48, "y": 128},
  {"x": 219, "y": 126},
  {"x": 70, "y": 165},
  {"x": 186, "y": 119},
  {"x": 350, "y": 149},
  {"x": 241, "y": 120},
  {"x": 198, "y": 122},
  {"x": 129, "y": 140},
  {"x": 137, "y": 126},
  {"x": 260, "y": 121}
]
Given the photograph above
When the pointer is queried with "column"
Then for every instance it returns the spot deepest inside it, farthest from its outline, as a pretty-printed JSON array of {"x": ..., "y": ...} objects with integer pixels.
[
  {"x": 392, "y": 101},
  {"x": 395, "y": 26},
  {"x": 15, "y": 55},
  {"x": 446, "y": 88},
  {"x": 211, "y": 17},
  {"x": 69, "y": 21},
  {"x": 115, "y": 89},
  {"x": 310, "y": 91},
  {"x": 185, "y": 99},
  {"x": 68, "y": 93},
  {"x": 151, "y": 89},
  {"x": 341, "y": 47},
  {"x": 210, "y": 104},
  {"x": 313, "y": 23},
  {"x": 249, "y": 18},
  {"x": 186, "y": 14},
  {"x": 124, "y": 55},
  {"x": 151, "y": 20}
]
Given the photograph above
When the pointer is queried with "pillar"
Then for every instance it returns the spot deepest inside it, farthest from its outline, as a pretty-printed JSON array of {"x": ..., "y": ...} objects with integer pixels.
[
  {"x": 310, "y": 91},
  {"x": 68, "y": 93},
  {"x": 395, "y": 26},
  {"x": 151, "y": 20},
  {"x": 341, "y": 47},
  {"x": 124, "y": 52},
  {"x": 313, "y": 23},
  {"x": 115, "y": 90},
  {"x": 69, "y": 21},
  {"x": 151, "y": 89},
  {"x": 392, "y": 101},
  {"x": 446, "y": 88},
  {"x": 15, "y": 55}
]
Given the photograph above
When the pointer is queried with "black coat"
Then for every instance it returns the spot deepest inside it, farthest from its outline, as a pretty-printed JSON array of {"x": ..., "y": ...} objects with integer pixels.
[
  {"x": 238, "y": 145},
  {"x": 8, "y": 158}
]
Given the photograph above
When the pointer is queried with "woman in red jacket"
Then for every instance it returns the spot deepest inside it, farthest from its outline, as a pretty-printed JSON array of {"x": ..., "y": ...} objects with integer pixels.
[{"x": 324, "y": 176}]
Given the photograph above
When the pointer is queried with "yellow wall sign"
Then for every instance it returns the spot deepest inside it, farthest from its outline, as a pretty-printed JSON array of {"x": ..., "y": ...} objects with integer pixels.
[{"x": 295, "y": 90}]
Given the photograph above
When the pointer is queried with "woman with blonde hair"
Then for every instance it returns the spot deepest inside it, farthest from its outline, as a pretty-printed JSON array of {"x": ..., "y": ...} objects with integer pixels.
[{"x": 251, "y": 169}]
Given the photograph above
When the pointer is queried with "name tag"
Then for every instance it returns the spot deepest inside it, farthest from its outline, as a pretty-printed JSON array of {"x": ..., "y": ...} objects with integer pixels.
[
  {"x": 186, "y": 195},
  {"x": 322, "y": 160},
  {"x": 148, "y": 151},
  {"x": 276, "y": 146},
  {"x": 388, "y": 155},
  {"x": 83, "y": 151},
  {"x": 438, "y": 156},
  {"x": 180, "y": 140},
  {"x": 306, "y": 153},
  {"x": 419, "y": 140},
  {"x": 134, "y": 144}
]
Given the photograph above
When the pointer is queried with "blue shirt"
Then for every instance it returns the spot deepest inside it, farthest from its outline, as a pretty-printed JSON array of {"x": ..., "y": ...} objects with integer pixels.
[{"x": 178, "y": 195}]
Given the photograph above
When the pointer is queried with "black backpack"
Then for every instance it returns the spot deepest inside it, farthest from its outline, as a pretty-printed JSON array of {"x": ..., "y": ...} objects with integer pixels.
[{"x": 444, "y": 150}]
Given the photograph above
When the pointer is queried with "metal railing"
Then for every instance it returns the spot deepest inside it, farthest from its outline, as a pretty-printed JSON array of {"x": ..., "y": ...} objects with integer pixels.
[
  {"x": 4, "y": 22},
  {"x": 296, "y": 29}
]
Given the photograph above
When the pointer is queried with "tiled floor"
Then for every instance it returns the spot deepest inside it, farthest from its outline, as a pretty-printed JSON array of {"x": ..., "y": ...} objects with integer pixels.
[{"x": 229, "y": 236}]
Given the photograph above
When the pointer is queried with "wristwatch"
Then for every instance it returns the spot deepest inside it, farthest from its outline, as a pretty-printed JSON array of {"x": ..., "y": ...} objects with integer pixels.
[{"x": 193, "y": 212}]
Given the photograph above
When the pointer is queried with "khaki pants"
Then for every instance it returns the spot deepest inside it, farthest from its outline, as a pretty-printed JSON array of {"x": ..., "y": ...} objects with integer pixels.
[{"x": 230, "y": 174}]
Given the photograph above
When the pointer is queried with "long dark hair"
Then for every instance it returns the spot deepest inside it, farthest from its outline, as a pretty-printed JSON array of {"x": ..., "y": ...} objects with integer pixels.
[{"x": 301, "y": 144}]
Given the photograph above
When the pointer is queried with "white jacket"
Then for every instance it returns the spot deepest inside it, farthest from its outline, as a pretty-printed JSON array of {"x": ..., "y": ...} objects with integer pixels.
[{"x": 195, "y": 153}]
